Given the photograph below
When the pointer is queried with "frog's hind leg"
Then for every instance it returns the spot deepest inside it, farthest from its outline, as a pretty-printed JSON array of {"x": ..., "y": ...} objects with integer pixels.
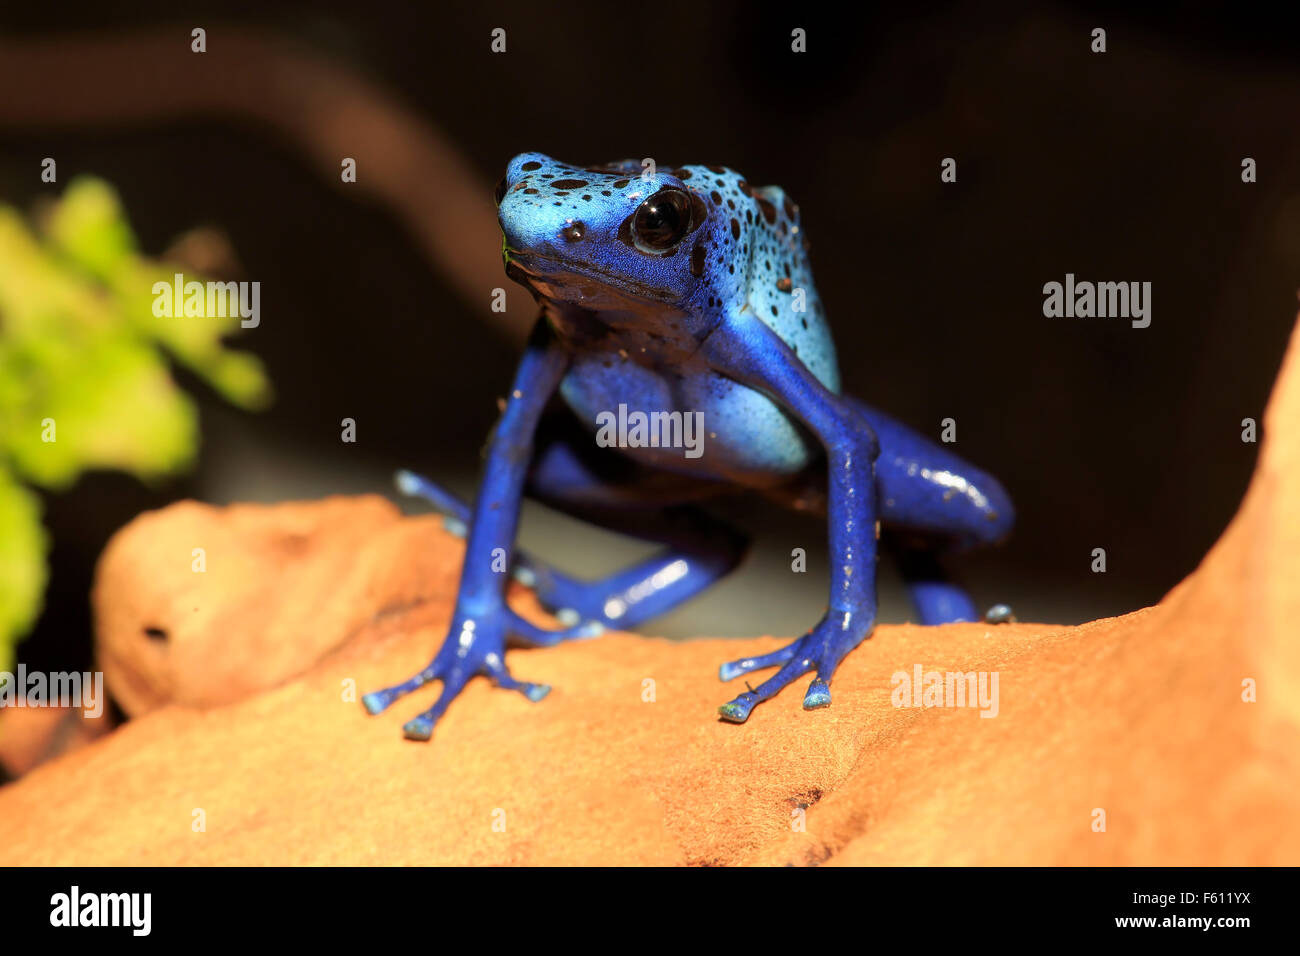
[
  {"x": 699, "y": 548},
  {"x": 573, "y": 475},
  {"x": 937, "y": 598},
  {"x": 932, "y": 502}
]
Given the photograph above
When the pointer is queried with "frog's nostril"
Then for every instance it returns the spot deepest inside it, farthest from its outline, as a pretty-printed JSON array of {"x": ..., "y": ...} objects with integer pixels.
[
  {"x": 573, "y": 232},
  {"x": 501, "y": 190}
]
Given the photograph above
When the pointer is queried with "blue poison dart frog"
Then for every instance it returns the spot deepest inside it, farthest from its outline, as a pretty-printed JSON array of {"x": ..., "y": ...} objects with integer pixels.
[{"x": 685, "y": 295}]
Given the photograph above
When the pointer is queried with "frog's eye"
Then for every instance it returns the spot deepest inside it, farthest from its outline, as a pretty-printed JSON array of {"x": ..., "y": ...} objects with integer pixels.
[
  {"x": 663, "y": 219},
  {"x": 501, "y": 190}
]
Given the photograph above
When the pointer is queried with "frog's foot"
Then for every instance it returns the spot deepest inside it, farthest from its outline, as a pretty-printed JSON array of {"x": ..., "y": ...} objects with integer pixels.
[
  {"x": 475, "y": 647},
  {"x": 938, "y": 600},
  {"x": 821, "y": 650},
  {"x": 942, "y": 602}
]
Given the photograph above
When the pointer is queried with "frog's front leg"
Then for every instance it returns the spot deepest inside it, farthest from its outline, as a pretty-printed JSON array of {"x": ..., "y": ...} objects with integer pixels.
[
  {"x": 482, "y": 620},
  {"x": 746, "y": 350}
]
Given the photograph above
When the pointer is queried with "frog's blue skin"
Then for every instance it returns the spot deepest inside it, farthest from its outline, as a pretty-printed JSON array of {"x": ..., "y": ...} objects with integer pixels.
[{"x": 698, "y": 311}]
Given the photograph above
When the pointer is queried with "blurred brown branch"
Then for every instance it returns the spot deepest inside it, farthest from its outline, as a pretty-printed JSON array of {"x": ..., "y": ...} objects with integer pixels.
[{"x": 325, "y": 108}]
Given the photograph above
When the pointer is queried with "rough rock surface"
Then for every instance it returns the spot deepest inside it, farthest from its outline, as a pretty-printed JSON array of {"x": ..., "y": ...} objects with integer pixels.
[{"x": 1141, "y": 716}]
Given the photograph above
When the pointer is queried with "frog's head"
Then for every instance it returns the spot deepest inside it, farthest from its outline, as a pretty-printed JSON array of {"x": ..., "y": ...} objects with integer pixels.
[{"x": 611, "y": 235}]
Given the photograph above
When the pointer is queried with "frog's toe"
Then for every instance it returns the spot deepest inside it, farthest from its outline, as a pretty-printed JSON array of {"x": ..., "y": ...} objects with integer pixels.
[
  {"x": 534, "y": 692},
  {"x": 737, "y": 711},
  {"x": 417, "y": 486},
  {"x": 421, "y": 727},
  {"x": 744, "y": 665},
  {"x": 407, "y": 482},
  {"x": 418, "y": 728},
  {"x": 529, "y": 633},
  {"x": 819, "y": 695},
  {"x": 1000, "y": 614},
  {"x": 731, "y": 670},
  {"x": 376, "y": 702}
]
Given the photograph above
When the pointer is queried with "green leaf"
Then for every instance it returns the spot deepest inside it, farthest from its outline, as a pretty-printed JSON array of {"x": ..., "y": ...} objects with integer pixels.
[
  {"x": 22, "y": 564},
  {"x": 89, "y": 226},
  {"x": 112, "y": 405},
  {"x": 84, "y": 376},
  {"x": 195, "y": 341}
]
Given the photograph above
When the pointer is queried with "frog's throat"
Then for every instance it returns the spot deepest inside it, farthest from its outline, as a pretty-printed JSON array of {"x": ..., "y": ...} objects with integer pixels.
[{"x": 524, "y": 263}]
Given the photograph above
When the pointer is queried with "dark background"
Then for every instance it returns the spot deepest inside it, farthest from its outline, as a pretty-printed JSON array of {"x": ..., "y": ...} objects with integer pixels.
[{"x": 1123, "y": 167}]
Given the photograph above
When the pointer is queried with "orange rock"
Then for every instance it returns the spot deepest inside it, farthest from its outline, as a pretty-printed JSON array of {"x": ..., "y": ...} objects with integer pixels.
[
  {"x": 1140, "y": 716},
  {"x": 279, "y": 587},
  {"x": 31, "y": 735}
]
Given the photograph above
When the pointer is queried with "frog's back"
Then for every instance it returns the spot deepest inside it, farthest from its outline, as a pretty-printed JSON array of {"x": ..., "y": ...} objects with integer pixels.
[
  {"x": 773, "y": 249},
  {"x": 762, "y": 268}
]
